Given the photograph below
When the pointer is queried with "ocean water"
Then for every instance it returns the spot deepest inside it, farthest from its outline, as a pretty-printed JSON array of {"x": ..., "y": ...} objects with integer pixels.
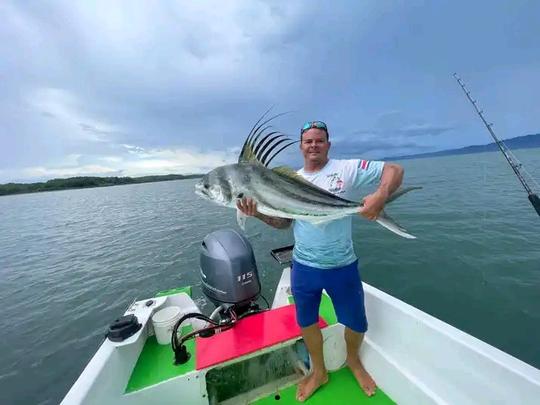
[{"x": 71, "y": 261}]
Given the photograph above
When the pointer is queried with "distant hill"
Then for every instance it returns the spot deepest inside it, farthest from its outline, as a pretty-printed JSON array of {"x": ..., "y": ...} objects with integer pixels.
[
  {"x": 85, "y": 182},
  {"x": 519, "y": 142}
]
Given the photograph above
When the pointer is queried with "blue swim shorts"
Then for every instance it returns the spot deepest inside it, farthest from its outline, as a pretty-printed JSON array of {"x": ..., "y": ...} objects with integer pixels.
[{"x": 343, "y": 285}]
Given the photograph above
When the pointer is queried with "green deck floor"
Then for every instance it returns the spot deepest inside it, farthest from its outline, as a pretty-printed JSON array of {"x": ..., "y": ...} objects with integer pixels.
[
  {"x": 341, "y": 388},
  {"x": 155, "y": 364},
  {"x": 172, "y": 291}
]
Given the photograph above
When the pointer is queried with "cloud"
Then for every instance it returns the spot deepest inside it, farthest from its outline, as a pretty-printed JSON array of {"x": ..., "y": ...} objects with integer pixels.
[
  {"x": 134, "y": 161},
  {"x": 110, "y": 159},
  {"x": 395, "y": 123},
  {"x": 373, "y": 148},
  {"x": 67, "y": 110},
  {"x": 392, "y": 134},
  {"x": 424, "y": 130},
  {"x": 86, "y": 77},
  {"x": 177, "y": 160},
  {"x": 55, "y": 172},
  {"x": 409, "y": 131},
  {"x": 133, "y": 149},
  {"x": 95, "y": 130}
]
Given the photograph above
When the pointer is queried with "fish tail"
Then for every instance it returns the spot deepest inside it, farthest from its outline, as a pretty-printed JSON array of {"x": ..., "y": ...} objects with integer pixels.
[
  {"x": 387, "y": 222},
  {"x": 399, "y": 192}
]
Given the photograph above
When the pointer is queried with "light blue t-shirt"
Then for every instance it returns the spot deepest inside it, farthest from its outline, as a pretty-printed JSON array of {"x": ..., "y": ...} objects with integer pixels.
[{"x": 329, "y": 245}]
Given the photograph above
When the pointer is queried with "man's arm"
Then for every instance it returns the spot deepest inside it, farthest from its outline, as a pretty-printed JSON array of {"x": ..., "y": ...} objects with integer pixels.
[
  {"x": 249, "y": 207},
  {"x": 276, "y": 222},
  {"x": 391, "y": 179}
]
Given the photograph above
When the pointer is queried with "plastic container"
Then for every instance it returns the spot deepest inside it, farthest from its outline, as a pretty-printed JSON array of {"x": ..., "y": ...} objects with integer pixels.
[
  {"x": 163, "y": 322},
  {"x": 185, "y": 302}
]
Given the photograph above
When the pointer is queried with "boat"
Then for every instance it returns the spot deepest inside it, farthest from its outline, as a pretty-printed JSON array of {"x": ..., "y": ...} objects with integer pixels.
[{"x": 258, "y": 357}]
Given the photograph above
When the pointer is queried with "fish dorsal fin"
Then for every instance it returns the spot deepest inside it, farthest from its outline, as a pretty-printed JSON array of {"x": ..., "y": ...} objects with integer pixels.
[
  {"x": 286, "y": 171},
  {"x": 247, "y": 155},
  {"x": 261, "y": 142}
]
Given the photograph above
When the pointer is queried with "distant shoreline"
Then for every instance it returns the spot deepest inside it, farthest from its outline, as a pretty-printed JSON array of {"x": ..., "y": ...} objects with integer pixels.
[
  {"x": 73, "y": 183},
  {"x": 519, "y": 142}
]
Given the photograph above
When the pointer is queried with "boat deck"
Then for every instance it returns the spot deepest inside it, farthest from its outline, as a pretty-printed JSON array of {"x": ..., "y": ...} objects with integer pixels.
[
  {"x": 341, "y": 388},
  {"x": 404, "y": 351},
  {"x": 155, "y": 365}
]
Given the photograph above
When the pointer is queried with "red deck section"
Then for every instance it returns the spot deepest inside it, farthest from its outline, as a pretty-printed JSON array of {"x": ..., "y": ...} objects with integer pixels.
[{"x": 249, "y": 335}]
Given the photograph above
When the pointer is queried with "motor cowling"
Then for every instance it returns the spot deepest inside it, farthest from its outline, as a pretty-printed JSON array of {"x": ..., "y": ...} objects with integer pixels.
[{"x": 228, "y": 269}]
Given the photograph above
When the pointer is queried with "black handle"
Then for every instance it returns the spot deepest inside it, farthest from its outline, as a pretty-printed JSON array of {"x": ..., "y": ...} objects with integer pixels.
[{"x": 535, "y": 201}]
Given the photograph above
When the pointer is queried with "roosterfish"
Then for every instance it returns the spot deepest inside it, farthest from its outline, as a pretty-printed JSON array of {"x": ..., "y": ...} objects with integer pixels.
[{"x": 280, "y": 191}]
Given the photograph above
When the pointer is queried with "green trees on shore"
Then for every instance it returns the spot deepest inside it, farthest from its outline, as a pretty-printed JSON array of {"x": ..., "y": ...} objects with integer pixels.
[{"x": 84, "y": 182}]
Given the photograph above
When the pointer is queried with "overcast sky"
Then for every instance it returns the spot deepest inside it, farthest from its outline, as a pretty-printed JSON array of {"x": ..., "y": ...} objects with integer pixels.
[{"x": 132, "y": 88}]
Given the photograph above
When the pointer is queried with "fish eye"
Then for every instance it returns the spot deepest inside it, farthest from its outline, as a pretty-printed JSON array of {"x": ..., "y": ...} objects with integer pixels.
[{"x": 206, "y": 186}]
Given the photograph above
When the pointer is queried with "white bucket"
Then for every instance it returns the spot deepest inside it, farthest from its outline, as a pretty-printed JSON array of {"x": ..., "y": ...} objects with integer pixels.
[{"x": 163, "y": 322}]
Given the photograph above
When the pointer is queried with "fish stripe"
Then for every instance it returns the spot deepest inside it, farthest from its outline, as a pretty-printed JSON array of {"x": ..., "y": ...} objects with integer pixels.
[
  {"x": 278, "y": 152},
  {"x": 263, "y": 144},
  {"x": 225, "y": 188},
  {"x": 265, "y": 159},
  {"x": 306, "y": 193}
]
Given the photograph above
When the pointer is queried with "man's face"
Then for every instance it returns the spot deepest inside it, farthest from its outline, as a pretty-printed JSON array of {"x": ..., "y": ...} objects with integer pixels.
[{"x": 315, "y": 145}]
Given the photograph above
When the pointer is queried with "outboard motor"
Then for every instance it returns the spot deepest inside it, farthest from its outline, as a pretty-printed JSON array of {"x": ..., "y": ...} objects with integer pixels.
[
  {"x": 228, "y": 270},
  {"x": 230, "y": 280}
]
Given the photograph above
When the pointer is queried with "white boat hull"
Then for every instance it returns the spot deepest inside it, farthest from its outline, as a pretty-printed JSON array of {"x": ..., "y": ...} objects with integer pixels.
[{"x": 414, "y": 357}]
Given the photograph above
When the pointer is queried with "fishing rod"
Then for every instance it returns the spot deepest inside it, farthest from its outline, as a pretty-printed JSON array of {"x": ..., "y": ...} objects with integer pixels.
[{"x": 512, "y": 160}]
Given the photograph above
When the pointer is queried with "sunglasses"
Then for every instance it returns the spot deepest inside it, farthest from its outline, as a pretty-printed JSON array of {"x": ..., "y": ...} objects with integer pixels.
[{"x": 313, "y": 124}]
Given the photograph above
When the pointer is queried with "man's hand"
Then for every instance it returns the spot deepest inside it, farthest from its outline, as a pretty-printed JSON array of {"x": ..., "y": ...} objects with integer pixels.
[
  {"x": 248, "y": 206},
  {"x": 391, "y": 179},
  {"x": 373, "y": 205}
]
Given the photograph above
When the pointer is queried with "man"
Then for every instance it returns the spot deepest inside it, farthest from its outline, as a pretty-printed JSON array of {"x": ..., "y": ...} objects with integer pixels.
[{"x": 323, "y": 256}]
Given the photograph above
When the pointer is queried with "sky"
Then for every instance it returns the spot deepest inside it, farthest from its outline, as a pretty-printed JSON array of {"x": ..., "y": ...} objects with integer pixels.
[{"x": 130, "y": 88}]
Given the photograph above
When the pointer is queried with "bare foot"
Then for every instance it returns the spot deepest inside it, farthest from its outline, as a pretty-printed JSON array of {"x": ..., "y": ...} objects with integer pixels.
[
  {"x": 362, "y": 376},
  {"x": 310, "y": 384}
]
